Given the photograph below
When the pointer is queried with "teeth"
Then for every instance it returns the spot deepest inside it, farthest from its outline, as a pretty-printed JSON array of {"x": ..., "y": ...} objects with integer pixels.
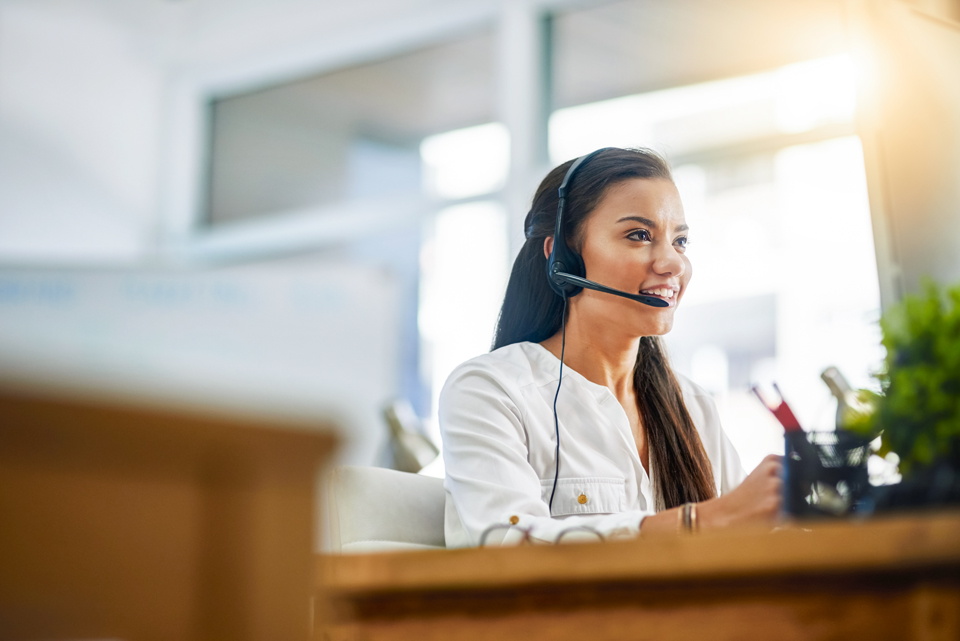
[{"x": 662, "y": 292}]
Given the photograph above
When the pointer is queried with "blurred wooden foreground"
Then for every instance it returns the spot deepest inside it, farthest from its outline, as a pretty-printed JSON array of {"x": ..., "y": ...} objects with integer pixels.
[
  {"x": 884, "y": 579},
  {"x": 131, "y": 523}
]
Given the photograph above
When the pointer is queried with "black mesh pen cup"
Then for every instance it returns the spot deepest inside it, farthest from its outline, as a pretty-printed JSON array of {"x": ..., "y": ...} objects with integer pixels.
[{"x": 825, "y": 473}]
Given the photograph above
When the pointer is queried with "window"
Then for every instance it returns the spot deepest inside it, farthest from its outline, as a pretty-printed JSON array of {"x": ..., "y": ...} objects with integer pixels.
[
  {"x": 417, "y": 127},
  {"x": 464, "y": 255},
  {"x": 463, "y": 278},
  {"x": 351, "y": 134},
  {"x": 774, "y": 190}
]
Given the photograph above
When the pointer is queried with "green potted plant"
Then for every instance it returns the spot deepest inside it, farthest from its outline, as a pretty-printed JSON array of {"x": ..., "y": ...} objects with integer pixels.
[{"x": 917, "y": 412}]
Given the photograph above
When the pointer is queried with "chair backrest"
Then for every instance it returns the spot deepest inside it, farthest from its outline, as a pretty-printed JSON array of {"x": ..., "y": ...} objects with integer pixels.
[{"x": 372, "y": 509}]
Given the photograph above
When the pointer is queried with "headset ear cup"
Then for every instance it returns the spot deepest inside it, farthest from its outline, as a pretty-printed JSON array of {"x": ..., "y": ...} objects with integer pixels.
[
  {"x": 562, "y": 258},
  {"x": 578, "y": 266},
  {"x": 568, "y": 261},
  {"x": 574, "y": 264}
]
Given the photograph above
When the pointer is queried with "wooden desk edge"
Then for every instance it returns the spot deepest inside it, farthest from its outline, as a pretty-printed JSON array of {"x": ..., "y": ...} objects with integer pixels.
[{"x": 892, "y": 543}]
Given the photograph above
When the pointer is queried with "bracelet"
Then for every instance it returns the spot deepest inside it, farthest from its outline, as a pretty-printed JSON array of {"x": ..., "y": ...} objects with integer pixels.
[{"x": 687, "y": 518}]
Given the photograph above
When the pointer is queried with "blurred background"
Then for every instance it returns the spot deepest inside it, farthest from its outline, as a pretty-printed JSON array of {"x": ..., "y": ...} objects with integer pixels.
[{"x": 310, "y": 208}]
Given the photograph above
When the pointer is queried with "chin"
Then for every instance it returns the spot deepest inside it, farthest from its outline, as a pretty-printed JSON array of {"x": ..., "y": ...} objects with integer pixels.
[
  {"x": 656, "y": 329},
  {"x": 661, "y": 332}
]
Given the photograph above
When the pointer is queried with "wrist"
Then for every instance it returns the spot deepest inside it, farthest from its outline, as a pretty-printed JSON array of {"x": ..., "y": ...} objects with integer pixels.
[{"x": 711, "y": 514}]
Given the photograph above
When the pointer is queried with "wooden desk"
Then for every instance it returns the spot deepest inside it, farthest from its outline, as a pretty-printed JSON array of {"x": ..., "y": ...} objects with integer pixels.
[
  {"x": 893, "y": 578},
  {"x": 140, "y": 523}
]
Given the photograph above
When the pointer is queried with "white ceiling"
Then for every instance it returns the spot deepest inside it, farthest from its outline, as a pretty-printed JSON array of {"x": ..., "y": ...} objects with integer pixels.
[
  {"x": 633, "y": 46},
  {"x": 602, "y": 50},
  {"x": 683, "y": 40}
]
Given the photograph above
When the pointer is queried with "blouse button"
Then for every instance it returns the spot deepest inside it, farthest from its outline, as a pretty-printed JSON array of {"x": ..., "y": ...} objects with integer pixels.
[
  {"x": 582, "y": 499},
  {"x": 514, "y": 519}
]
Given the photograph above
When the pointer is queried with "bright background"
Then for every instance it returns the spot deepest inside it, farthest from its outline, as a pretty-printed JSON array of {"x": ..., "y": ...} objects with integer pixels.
[{"x": 311, "y": 207}]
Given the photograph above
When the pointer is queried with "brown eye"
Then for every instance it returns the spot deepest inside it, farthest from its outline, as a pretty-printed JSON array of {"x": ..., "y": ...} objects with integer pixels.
[{"x": 639, "y": 234}]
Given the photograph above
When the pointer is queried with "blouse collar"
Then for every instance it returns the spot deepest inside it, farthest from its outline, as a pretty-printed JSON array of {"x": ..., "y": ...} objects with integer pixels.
[{"x": 549, "y": 364}]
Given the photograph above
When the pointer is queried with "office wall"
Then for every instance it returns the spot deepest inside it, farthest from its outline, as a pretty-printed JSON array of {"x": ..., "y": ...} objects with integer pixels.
[
  {"x": 303, "y": 338},
  {"x": 91, "y": 293},
  {"x": 80, "y": 114},
  {"x": 85, "y": 103}
]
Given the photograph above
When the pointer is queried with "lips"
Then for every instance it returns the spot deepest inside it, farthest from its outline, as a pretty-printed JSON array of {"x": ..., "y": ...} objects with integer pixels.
[{"x": 664, "y": 292}]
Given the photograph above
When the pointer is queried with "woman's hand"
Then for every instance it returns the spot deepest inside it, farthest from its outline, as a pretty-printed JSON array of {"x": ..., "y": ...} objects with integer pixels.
[{"x": 757, "y": 500}]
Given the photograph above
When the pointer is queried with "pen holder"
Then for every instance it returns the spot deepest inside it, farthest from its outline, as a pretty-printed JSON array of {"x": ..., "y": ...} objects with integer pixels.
[{"x": 825, "y": 473}]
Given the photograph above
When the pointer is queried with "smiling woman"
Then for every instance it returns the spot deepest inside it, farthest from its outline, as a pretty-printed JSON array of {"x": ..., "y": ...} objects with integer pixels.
[{"x": 520, "y": 452}]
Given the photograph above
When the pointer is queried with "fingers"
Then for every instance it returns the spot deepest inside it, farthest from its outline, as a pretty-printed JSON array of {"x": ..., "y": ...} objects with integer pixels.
[
  {"x": 771, "y": 465},
  {"x": 770, "y": 486},
  {"x": 774, "y": 464},
  {"x": 770, "y": 505},
  {"x": 775, "y": 493},
  {"x": 777, "y": 485},
  {"x": 760, "y": 497}
]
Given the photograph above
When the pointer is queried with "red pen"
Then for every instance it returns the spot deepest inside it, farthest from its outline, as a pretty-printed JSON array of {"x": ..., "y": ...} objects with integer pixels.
[{"x": 781, "y": 411}]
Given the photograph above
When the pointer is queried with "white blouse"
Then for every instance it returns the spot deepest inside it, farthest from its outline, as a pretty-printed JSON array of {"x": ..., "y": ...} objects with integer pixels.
[{"x": 496, "y": 421}]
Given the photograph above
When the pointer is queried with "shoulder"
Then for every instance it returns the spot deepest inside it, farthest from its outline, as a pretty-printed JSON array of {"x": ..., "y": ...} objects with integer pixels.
[
  {"x": 489, "y": 385},
  {"x": 727, "y": 470},
  {"x": 511, "y": 367},
  {"x": 700, "y": 405},
  {"x": 497, "y": 378},
  {"x": 690, "y": 389}
]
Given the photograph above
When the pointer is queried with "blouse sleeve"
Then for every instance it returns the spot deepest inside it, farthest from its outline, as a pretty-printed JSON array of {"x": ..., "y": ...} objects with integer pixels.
[{"x": 488, "y": 476}]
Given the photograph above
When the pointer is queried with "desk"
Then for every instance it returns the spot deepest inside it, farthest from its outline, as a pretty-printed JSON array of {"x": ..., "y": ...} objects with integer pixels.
[
  {"x": 144, "y": 523},
  {"x": 895, "y": 578}
]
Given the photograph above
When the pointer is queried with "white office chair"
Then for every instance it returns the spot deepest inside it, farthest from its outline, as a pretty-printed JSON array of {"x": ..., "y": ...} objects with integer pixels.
[{"x": 372, "y": 509}]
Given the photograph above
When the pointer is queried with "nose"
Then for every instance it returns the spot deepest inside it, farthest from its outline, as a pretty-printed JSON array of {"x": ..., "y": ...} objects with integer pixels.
[{"x": 667, "y": 260}]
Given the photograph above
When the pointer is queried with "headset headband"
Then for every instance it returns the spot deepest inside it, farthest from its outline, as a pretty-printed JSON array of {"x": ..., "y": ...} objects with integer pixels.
[{"x": 562, "y": 258}]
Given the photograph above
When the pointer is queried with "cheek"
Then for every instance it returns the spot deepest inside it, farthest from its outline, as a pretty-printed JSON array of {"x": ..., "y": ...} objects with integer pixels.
[{"x": 608, "y": 260}]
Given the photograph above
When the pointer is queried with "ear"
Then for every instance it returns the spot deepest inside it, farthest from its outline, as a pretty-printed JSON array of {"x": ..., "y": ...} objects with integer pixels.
[{"x": 547, "y": 246}]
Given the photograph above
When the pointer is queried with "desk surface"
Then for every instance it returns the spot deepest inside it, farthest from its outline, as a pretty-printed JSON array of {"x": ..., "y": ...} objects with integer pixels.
[
  {"x": 891, "y": 578},
  {"x": 826, "y": 547}
]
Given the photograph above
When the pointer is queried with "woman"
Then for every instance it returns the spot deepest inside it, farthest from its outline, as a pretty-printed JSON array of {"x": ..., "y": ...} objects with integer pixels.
[{"x": 638, "y": 445}]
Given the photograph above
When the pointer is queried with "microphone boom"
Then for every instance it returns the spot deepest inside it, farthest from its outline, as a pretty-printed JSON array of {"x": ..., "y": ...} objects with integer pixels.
[{"x": 652, "y": 301}]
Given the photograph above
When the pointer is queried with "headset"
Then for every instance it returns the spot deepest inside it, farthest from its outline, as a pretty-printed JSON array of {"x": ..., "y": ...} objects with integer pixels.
[{"x": 566, "y": 276}]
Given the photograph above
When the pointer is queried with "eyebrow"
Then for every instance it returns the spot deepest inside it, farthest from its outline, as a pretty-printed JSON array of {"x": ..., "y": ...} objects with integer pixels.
[{"x": 650, "y": 223}]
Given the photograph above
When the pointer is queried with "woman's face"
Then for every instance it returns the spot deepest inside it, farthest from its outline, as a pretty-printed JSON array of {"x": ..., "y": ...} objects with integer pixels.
[{"x": 635, "y": 241}]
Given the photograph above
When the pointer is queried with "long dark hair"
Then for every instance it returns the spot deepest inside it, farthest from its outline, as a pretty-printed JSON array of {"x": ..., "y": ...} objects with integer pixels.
[{"x": 533, "y": 312}]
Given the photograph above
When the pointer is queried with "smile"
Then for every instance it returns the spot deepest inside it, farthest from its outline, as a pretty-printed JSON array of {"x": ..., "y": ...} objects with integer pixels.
[{"x": 666, "y": 293}]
